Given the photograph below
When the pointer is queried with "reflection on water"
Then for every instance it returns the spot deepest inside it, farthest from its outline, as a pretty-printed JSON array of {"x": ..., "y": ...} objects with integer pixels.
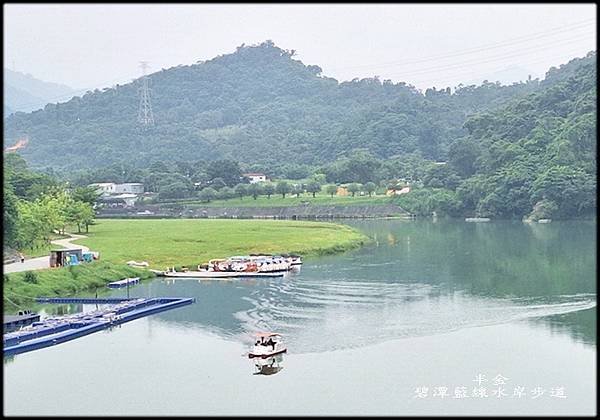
[
  {"x": 268, "y": 366},
  {"x": 363, "y": 329},
  {"x": 431, "y": 278},
  {"x": 418, "y": 278}
]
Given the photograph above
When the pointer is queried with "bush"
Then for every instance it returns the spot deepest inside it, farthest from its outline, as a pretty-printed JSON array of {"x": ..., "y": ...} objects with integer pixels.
[{"x": 30, "y": 277}]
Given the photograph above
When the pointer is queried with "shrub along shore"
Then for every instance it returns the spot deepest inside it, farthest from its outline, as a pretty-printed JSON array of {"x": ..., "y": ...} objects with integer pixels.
[{"x": 174, "y": 242}]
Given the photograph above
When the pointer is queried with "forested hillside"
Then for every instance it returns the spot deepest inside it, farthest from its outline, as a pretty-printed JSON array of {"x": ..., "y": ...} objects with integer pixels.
[
  {"x": 257, "y": 105},
  {"x": 536, "y": 155}
]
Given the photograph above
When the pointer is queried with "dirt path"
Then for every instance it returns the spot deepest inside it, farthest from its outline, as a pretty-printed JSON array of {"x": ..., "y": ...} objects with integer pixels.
[{"x": 44, "y": 262}]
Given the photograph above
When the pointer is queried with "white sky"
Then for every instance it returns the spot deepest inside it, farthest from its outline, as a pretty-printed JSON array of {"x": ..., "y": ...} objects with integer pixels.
[{"x": 97, "y": 45}]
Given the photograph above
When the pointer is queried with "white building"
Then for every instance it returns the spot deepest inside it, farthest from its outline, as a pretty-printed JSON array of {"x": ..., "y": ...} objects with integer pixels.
[
  {"x": 128, "y": 199},
  {"x": 109, "y": 188},
  {"x": 129, "y": 188},
  {"x": 255, "y": 177},
  {"x": 119, "y": 200},
  {"x": 105, "y": 188}
]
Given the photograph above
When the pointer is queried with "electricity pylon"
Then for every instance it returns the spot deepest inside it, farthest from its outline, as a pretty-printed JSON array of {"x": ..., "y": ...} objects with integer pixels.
[{"x": 145, "y": 116}]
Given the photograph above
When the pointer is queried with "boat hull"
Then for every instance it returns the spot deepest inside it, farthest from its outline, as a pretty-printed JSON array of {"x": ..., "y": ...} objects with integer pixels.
[
  {"x": 220, "y": 274},
  {"x": 265, "y": 355}
]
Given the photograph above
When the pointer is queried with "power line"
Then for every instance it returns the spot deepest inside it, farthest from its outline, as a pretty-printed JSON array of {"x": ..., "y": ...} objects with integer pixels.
[
  {"x": 478, "y": 61},
  {"x": 445, "y": 82},
  {"x": 508, "y": 42}
]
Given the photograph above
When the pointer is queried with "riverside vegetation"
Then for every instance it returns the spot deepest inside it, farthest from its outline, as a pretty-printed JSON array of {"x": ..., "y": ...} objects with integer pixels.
[{"x": 174, "y": 243}]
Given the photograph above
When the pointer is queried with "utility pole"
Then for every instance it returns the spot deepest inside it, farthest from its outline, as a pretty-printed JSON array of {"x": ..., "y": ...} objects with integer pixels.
[{"x": 145, "y": 116}]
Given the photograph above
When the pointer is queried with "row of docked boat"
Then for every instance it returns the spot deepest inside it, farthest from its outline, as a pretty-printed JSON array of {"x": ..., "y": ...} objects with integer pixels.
[{"x": 254, "y": 265}]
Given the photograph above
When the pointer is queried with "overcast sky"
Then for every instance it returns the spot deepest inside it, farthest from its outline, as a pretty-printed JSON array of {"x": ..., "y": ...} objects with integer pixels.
[{"x": 98, "y": 45}]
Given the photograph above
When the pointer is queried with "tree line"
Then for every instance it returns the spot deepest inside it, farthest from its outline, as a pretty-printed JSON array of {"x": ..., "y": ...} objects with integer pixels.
[{"x": 37, "y": 205}]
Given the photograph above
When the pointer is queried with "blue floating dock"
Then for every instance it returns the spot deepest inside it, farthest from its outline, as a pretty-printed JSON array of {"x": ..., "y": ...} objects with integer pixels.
[
  {"x": 124, "y": 282},
  {"x": 14, "y": 322},
  {"x": 55, "y": 330}
]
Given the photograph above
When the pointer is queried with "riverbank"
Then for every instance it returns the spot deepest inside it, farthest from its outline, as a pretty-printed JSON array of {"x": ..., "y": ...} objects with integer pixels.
[
  {"x": 320, "y": 199},
  {"x": 168, "y": 242},
  {"x": 174, "y": 242},
  {"x": 20, "y": 289},
  {"x": 300, "y": 211}
]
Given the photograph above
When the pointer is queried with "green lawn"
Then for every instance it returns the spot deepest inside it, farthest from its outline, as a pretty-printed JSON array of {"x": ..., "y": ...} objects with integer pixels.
[
  {"x": 279, "y": 201},
  {"x": 168, "y": 242},
  {"x": 172, "y": 242}
]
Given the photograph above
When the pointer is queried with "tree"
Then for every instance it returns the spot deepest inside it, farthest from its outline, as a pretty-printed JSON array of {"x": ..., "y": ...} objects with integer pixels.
[
  {"x": 255, "y": 190},
  {"x": 240, "y": 189},
  {"x": 175, "y": 190},
  {"x": 361, "y": 166},
  {"x": 11, "y": 215},
  {"x": 79, "y": 214},
  {"x": 226, "y": 193},
  {"x": 353, "y": 188},
  {"x": 318, "y": 177},
  {"x": 296, "y": 171},
  {"x": 226, "y": 169},
  {"x": 86, "y": 217},
  {"x": 331, "y": 189},
  {"x": 207, "y": 194},
  {"x": 87, "y": 194},
  {"x": 268, "y": 189},
  {"x": 218, "y": 183},
  {"x": 370, "y": 187},
  {"x": 313, "y": 187},
  {"x": 282, "y": 188},
  {"x": 158, "y": 167},
  {"x": 441, "y": 176}
]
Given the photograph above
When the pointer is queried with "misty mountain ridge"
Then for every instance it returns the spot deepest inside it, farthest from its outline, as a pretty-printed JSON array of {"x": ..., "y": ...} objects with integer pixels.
[
  {"x": 25, "y": 93},
  {"x": 256, "y": 105}
]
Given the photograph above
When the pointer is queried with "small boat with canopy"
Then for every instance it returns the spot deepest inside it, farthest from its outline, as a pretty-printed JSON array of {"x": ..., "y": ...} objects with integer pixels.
[{"x": 267, "y": 344}]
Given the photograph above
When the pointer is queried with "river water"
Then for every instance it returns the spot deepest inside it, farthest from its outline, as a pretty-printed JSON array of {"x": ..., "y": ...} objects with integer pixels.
[{"x": 443, "y": 317}]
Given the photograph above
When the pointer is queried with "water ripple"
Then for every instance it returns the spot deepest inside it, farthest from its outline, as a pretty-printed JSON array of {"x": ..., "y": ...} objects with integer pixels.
[{"x": 332, "y": 314}]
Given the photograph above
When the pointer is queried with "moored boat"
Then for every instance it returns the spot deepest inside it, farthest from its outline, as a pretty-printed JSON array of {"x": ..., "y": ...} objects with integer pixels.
[
  {"x": 208, "y": 274},
  {"x": 254, "y": 265},
  {"x": 124, "y": 282}
]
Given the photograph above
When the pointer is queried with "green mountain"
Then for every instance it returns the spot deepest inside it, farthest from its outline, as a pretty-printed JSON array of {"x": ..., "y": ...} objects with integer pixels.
[
  {"x": 538, "y": 152},
  {"x": 256, "y": 105}
]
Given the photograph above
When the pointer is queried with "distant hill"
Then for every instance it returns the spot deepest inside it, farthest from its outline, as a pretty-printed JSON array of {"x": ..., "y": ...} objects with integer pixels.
[
  {"x": 256, "y": 105},
  {"x": 23, "y": 92}
]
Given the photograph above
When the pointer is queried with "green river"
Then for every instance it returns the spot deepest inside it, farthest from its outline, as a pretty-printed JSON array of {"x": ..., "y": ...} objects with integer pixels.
[{"x": 433, "y": 318}]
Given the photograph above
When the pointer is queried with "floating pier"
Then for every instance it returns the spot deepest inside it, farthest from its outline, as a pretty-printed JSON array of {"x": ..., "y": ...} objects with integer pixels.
[
  {"x": 14, "y": 322},
  {"x": 55, "y": 330},
  {"x": 123, "y": 283}
]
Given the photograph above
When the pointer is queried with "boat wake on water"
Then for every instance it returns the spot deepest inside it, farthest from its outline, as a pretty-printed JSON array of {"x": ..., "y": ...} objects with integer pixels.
[{"x": 359, "y": 313}]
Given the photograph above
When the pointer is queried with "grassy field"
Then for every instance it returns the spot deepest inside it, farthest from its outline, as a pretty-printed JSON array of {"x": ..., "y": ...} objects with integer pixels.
[
  {"x": 173, "y": 242},
  {"x": 168, "y": 242},
  {"x": 278, "y": 201},
  {"x": 21, "y": 288}
]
